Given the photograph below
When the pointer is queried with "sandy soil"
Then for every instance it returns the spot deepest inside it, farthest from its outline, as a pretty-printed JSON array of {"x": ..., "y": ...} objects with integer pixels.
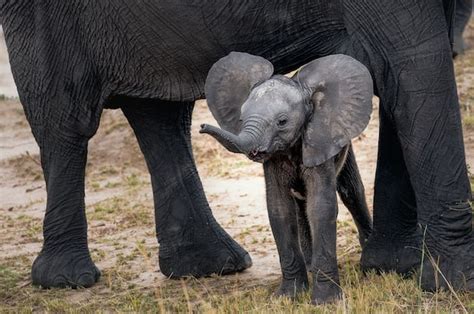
[{"x": 119, "y": 198}]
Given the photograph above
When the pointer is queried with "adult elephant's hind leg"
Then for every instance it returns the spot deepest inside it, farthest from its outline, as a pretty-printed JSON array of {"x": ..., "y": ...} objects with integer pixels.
[{"x": 191, "y": 242}]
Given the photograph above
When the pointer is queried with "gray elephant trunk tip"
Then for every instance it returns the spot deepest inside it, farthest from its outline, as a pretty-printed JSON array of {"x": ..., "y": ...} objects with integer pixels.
[
  {"x": 204, "y": 128},
  {"x": 229, "y": 140},
  {"x": 209, "y": 129}
]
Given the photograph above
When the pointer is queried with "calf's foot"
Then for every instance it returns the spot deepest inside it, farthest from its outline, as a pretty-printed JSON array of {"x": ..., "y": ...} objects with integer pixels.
[
  {"x": 325, "y": 291},
  {"x": 292, "y": 287},
  {"x": 64, "y": 268}
]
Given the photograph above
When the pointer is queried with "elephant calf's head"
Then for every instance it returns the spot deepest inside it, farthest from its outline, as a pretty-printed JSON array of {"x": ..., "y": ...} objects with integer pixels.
[{"x": 326, "y": 103}]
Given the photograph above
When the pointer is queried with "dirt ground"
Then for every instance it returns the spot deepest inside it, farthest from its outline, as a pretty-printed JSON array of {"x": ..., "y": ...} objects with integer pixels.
[{"x": 120, "y": 206}]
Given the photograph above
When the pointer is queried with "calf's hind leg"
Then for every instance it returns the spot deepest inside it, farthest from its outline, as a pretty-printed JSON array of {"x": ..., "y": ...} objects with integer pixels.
[
  {"x": 191, "y": 241},
  {"x": 352, "y": 193},
  {"x": 304, "y": 232}
]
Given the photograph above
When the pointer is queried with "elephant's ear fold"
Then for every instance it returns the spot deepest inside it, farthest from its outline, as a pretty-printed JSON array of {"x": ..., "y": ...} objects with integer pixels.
[
  {"x": 229, "y": 83},
  {"x": 341, "y": 92}
]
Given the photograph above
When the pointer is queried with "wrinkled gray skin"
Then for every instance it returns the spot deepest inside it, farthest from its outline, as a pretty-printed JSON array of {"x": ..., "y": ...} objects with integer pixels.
[{"x": 301, "y": 187}]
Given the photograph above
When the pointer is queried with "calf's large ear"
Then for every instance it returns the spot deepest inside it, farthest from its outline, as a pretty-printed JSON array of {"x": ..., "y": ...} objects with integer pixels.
[
  {"x": 229, "y": 83},
  {"x": 341, "y": 92}
]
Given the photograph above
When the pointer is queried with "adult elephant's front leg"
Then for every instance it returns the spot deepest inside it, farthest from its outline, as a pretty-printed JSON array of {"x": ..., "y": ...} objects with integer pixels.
[
  {"x": 191, "y": 241},
  {"x": 64, "y": 260},
  {"x": 429, "y": 125}
]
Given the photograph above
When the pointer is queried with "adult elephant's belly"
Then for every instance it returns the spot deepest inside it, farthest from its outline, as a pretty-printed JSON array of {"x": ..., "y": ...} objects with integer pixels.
[
  {"x": 157, "y": 50},
  {"x": 164, "y": 49}
]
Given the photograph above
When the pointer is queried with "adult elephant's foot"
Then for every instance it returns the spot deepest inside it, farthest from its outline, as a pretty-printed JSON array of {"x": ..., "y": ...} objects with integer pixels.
[
  {"x": 204, "y": 254},
  {"x": 64, "y": 268},
  {"x": 449, "y": 249},
  {"x": 453, "y": 269},
  {"x": 384, "y": 254}
]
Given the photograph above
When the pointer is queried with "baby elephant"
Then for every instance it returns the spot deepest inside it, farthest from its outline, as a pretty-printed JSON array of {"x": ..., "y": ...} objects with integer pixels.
[{"x": 301, "y": 129}]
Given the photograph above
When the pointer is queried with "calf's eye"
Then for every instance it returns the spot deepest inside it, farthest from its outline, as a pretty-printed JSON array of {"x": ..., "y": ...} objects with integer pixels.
[{"x": 282, "y": 122}]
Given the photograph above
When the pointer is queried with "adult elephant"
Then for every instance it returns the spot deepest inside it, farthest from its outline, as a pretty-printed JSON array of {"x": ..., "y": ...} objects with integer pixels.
[{"x": 72, "y": 59}]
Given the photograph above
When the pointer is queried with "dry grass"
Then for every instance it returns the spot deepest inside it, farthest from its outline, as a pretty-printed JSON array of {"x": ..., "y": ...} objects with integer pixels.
[{"x": 386, "y": 293}]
